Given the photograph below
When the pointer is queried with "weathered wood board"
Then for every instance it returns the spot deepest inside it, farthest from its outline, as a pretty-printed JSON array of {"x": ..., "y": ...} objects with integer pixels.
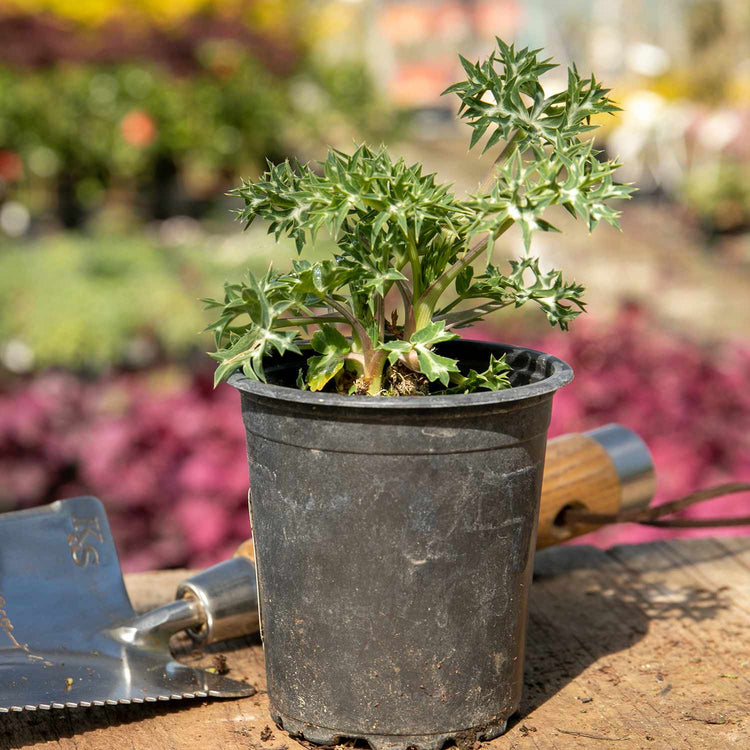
[{"x": 645, "y": 646}]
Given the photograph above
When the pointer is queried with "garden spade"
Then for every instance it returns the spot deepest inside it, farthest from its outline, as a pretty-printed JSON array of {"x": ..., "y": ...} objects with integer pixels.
[{"x": 69, "y": 636}]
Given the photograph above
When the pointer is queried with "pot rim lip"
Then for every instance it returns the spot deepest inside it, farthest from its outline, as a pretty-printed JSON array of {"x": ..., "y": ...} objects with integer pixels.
[{"x": 561, "y": 375}]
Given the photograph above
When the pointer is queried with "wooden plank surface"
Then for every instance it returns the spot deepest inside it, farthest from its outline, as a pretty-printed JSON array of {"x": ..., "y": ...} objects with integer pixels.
[{"x": 643, "y": 646}]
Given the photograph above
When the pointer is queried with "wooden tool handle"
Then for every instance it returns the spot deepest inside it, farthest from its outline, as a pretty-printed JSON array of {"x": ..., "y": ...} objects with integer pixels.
[
  {"x": 247, "y": 550},
  {"x": 578, "y": 472},
  {"x": 602, "y": 471}
]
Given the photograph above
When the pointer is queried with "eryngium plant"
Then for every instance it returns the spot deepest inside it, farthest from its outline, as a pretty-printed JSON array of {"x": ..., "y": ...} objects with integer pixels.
[{"x": 404, "y": 242}]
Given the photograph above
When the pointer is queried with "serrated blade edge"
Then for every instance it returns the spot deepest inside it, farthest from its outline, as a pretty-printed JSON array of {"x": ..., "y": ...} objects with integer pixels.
[{"x": 109, "y": 702}]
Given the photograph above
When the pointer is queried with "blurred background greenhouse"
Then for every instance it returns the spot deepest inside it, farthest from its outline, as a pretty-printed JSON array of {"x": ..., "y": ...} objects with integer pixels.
[{"x": 123, "y": 124}]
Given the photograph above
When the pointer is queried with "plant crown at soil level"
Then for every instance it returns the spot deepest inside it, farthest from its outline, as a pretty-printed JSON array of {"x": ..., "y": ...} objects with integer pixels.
[{"x": 401, "y": 236}]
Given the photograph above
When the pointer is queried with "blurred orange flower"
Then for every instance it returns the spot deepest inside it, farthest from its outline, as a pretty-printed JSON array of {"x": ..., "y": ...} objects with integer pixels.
[{"x": 138, "y": 129}]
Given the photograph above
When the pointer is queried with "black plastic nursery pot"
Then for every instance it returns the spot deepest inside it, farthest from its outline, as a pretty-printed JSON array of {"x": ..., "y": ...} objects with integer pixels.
[{"x": 394, "y": 542}]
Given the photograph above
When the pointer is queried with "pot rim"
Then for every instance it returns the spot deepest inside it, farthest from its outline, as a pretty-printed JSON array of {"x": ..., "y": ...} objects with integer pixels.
[{"x": 561, "y": 373}]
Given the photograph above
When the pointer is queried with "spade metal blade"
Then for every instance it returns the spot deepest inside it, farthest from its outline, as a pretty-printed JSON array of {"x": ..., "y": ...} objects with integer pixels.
[{"x": 63, "y": 608}]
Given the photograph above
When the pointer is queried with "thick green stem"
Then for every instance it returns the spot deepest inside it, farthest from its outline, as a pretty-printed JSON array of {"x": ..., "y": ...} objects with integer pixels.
[
  {"x": 425, "y": 305},
  {"x": 407, "y": 297},
  {"x": 422, "y": 313},
  {"x": 374, "y": 366},
  {"x": 358, "y": 330},
  {"x": 416, "y": 268},
  {"x": 357, "y": 360}
]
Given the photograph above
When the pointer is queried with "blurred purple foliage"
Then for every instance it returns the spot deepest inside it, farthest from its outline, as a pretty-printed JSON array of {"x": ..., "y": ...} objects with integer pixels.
[{"x": 166, "y": 453}]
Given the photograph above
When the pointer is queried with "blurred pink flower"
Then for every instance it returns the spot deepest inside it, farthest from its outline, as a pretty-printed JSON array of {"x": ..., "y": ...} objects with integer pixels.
[{"x": 204, "y": 523}]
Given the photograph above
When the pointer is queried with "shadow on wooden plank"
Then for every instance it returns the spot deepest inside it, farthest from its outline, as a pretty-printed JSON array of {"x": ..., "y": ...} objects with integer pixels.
[{"x": 586, "y": 604}]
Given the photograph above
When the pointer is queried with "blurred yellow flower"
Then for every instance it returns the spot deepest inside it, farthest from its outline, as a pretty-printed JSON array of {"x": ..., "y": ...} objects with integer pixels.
[{"x": 94, "y": 12}]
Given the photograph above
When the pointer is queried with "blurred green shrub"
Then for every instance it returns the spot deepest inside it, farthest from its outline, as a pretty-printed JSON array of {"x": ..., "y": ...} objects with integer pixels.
[
  {"x": 170, "y": 143},
  {"x": 718, "y": 193},
  {"x": 92, "y": 302},
  {"x": 89, "y": 303}
]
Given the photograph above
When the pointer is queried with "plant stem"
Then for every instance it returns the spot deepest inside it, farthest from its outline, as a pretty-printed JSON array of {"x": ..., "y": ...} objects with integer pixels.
[
  {"x": 488, "y": 306},
  {"x": 407, "y": 296},
  {"x": 359, "y": 360},
  {"x": 425, "y": 305},
  {"x": 358, "y": 330},
  {"x": 374, "y": 365},
  {"x": 445, "y": 310},
  {"x": 416, "y": 270},
  {"x": 285, "y": 322},
  {"x": 461, "y": 317}
]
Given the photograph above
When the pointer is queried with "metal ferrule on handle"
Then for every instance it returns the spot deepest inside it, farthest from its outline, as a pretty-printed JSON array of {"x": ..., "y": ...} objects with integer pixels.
[
  {"x": 228, "y": 598},
  {"x": 605, "y": 470},
  {"x": 632, "y": 461},
  {"x": 216, "y": 604}
]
